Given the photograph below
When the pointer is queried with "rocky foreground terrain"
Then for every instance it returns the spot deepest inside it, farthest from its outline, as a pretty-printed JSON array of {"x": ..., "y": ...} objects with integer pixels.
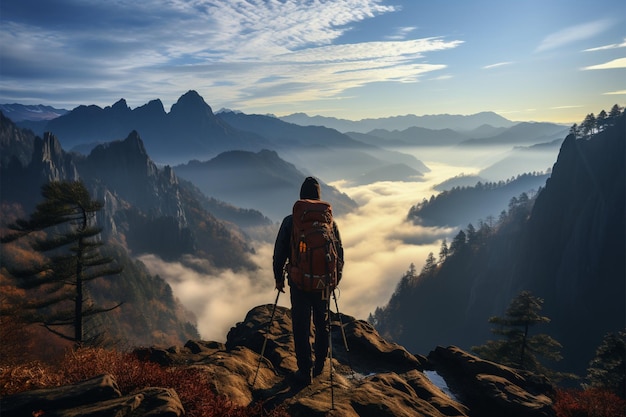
[{"x": 374, "y": 378}]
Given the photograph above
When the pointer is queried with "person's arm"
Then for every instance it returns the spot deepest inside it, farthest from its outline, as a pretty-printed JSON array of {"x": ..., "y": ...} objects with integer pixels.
[{"x": 282, "y": 251}]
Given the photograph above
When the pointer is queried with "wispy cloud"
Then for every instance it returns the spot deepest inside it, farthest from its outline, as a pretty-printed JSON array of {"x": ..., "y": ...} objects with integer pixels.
[
  {"x": 564, "y": 107},
  {"x": 247, "y": 53},
  {"x": 614, "y": 64},
  {"x": 607, "y": 47},
  {"x": 615, "y": 93},
  {"x": 401, "y": 33},
  {"x": 573, "y": 34},
  {"x": 499, "y": 64}
]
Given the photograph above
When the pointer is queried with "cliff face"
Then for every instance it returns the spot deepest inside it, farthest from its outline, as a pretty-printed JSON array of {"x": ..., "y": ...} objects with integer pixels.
[
  {"x": 16, "y": 145},
  {"x": 574, "y": 244},
  {"x": 128, "y": 170}
]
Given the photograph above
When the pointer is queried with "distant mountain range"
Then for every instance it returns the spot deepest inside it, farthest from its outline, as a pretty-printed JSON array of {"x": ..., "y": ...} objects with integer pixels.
[
  {"x": 191, "y": 131},
  {"x": 321, "y": 151},
  {"x": 222, "y": 154},
  {"x": 369, "y": 151},
  {"x": 20, "y": 112},
  {"x": 439, "y": 121}
]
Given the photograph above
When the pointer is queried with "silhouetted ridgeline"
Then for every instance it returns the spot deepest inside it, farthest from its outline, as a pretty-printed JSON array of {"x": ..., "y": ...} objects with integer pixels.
[
  {"x": 262, "y": 178},
  {"x": 190, "y": 128},
  {"x": 566, "y": 246},
  {"x": 462, "y": 205},
  {"x": 191, "y": 131}
]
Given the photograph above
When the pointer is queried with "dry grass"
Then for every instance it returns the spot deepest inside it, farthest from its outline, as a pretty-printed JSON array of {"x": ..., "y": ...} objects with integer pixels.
[{"x": 131, "y": 374}]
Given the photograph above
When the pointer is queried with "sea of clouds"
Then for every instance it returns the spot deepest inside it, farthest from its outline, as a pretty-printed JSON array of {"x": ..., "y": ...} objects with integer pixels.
[{"x": 379, "y": 244}]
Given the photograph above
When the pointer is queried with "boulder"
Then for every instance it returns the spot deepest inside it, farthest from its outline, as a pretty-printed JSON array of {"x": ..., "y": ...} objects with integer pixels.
[
  {"x": 95, "y": 397},
  {"x": 490, "y": 389}
]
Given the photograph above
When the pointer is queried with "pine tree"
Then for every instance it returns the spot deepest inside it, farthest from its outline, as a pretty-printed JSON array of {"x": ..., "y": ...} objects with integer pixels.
[
  {"x": 471, "y": 234},
  {"x": 519, "y": 348},
  {"x": 608, "y": 368},
  {"x": 63, "y": 228},
  {"x": 601, "y": 121},
  {"x": 615, "y": 112},
  {"x": 430, "y": 264},
  {"x": 443, "y": 251},
  {"x": 588, "y": 125},
  {"x": 458, "y": 242}
]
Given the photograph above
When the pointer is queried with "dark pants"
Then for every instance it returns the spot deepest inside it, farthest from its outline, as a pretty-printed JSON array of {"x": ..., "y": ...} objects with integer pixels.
[{"x": 302, "y": 305}]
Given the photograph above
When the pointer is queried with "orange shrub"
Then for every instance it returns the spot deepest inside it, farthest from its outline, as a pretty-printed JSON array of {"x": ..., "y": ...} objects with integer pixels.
[
  {"x": 593, "y": 402},
  {"x": 27, "y": 377},
  {"x": 131, "y": 374}
]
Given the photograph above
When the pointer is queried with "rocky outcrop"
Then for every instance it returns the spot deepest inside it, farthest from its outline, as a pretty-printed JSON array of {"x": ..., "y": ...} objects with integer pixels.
[
  {"x": 95, "y": 397},
  {"x": 490, "y": 389},
  {"x": 373, "y": 377}
]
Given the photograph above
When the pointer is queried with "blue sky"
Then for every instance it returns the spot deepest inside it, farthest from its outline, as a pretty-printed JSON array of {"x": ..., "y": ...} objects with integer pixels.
[{"x": 542, "y": 60}]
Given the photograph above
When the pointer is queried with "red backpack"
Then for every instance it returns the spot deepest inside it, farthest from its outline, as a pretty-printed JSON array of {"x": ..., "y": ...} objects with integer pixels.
[{"x": 313, "y": 264}]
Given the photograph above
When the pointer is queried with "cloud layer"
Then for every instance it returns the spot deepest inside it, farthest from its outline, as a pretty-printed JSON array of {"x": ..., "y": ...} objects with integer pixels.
[{"x": 379, "y": 247}]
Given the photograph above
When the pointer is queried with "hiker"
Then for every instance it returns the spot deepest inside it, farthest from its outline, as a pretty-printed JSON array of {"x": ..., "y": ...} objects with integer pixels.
[{"x": 312, "y": 297}]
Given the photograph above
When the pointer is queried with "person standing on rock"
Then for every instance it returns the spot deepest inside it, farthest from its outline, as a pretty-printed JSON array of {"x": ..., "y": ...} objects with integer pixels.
[{"x": 308, "y": 247}]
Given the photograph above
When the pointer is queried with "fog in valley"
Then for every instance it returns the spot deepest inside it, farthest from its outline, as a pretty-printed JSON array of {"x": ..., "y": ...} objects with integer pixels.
[{"x": 379, "y": 243}]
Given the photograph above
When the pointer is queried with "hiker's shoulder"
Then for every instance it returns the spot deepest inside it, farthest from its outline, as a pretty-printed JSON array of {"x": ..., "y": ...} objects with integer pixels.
[{"x": 287, "y": 221}]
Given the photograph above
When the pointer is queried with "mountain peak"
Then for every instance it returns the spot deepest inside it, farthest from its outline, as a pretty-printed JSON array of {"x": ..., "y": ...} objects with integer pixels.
[
  {"x": 191, "y": 101},
  {"x": 133, "y": 141},
  {"x": 120, "y": 105}
]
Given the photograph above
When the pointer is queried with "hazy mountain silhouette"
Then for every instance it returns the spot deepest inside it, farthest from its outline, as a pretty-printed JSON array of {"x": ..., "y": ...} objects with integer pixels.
[
  {"x": 539, "y": 158},
  {"x": 319, "y": 150},
  {"x": 418, "y": 136},
  {"x": 191, "y": 131},
  {"x": 20, "y": 112},
  {"x": 523, "y": 133},
  {"x": 519, "y": 134},
  {"x": 260, "y": 180},
  {"x": 440, "y": 121},
  {"x": 568, "y": 249},
  {"x": 190, "y": 128}
]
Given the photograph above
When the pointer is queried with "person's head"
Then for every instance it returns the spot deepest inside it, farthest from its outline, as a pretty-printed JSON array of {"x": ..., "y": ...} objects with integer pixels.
[{"x": 310, "y": 189}]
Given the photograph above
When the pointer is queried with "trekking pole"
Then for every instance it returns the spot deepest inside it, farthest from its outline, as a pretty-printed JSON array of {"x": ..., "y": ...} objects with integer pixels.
[
  {"x": 343, "y": 334},
  {"x": 267, "y": 329},
  {"x": 330, "y": 351}
]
